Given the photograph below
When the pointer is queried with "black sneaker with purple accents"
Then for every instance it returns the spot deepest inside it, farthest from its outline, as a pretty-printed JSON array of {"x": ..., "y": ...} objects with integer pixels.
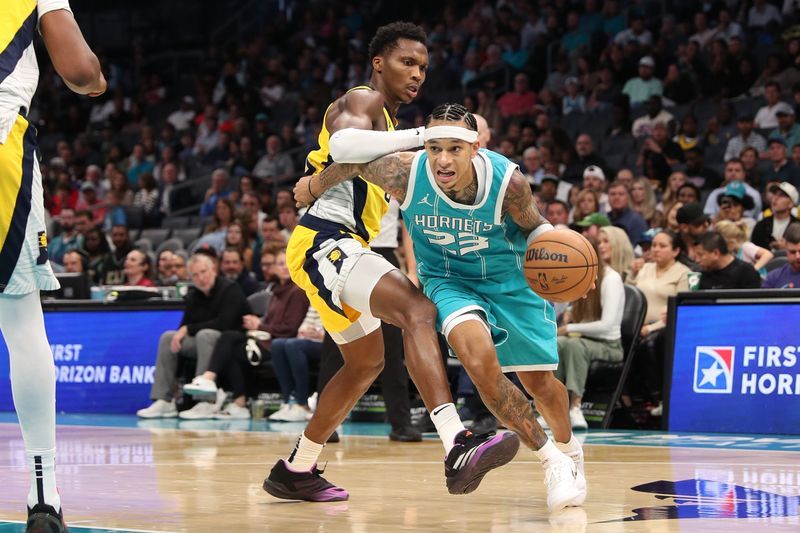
[
  {"x": 310, "y": 486},
  {"x": 474, "y": 455},
  {"x": 43, "y": 518}
]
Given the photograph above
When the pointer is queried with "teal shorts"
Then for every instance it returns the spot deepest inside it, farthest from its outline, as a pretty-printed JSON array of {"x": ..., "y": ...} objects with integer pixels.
[{"x": 522, "y": 325}]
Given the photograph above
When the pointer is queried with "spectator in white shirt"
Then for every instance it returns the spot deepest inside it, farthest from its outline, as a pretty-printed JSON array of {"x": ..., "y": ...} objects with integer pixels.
[
  {"x": 766, "y": 118},
  {"x": 182, "y": 118},
  {"x": 761, "y": 14},
  {"x": 747, "y": 137}
]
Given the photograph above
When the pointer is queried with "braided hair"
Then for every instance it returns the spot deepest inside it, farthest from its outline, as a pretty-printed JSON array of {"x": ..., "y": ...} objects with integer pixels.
[{"x": 453, "y": 113}]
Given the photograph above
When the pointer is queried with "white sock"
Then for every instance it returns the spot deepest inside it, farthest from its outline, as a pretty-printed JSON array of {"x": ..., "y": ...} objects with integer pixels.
[
  {"x": 571, "y": 448},
  {"x": 33, "y": 386},
  {"x": 448, "y": 424},
  {"x": 305, "y": 454},
  {"x": 42, "y": 466},
  {"x": 549, "y": 452}
]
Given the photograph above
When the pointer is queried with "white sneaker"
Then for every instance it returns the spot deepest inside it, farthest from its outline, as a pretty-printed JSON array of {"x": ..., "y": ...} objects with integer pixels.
[
  {"x": 577, "y": 419},
  {"x": 278, "y": 415},
  {"x": 561, "y": 480},
  {"x": 312, "y": 402},
  {"x": 200, "y": 386},
  {"x": 159, "y": 409},
  {"x": 233, "y": 411},
  {"x": 577, "y": 458},
  {"x": 200, "y": 410},
  {"x": 657, "y": 410},
  {"x": 296, "y": 414}
]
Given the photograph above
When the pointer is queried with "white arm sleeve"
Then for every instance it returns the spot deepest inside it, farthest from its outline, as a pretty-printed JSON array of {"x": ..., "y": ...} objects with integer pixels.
[
  {"x": 352, "y": 145},
  {"x": 46, "y": 6}
]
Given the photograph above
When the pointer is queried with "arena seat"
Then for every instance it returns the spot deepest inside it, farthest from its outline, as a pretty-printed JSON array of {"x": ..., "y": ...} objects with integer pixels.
[{"x": 606, "y": 379}]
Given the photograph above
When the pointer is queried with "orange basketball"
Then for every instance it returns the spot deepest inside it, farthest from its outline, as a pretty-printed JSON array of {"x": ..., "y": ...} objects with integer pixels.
[{"x": 560, "y": 265}]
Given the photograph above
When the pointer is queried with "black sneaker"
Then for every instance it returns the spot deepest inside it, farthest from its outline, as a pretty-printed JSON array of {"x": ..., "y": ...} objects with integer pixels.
[
  {"x": 405, "y": 434},
  {"x": 44, "y": 519},
  {"x": 483, "y": 424},
  {"x": 333, "y": 438},
  {"x": 474, "y": 455},
  {"x": 309, "y": 486}
]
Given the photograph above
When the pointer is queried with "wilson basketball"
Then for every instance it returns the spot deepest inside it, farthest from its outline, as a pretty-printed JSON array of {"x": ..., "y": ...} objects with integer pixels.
[{"x": 561, "y": 265}]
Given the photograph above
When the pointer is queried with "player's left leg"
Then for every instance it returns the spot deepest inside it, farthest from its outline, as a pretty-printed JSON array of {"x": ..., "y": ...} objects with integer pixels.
[{"x": 34, "y": 389}]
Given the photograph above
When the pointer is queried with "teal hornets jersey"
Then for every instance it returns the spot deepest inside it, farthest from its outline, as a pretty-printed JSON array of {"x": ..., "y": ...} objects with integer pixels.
[{"x": 469, "y": 242}]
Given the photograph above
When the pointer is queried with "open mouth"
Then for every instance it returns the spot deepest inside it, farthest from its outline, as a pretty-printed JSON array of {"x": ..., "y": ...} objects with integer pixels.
[
  {"x": 445, "y": 176},
  {"x": 412, "y": 90}
]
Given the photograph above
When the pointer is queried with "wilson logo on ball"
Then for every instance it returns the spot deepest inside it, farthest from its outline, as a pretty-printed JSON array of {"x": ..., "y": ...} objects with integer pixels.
[{"x": 540, "y": 254}]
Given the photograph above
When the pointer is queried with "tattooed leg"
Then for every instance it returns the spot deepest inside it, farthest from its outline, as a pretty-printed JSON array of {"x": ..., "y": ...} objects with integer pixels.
[{"x": 475, "y": 349}]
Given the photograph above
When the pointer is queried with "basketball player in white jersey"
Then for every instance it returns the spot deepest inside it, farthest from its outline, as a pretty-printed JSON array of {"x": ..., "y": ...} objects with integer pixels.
[{"x": 24, "y": 267}]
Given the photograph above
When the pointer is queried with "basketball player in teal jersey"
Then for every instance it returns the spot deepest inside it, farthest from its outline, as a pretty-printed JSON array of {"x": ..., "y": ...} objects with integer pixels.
[
  {"x": 470, "y": 214},
  {"x": 24, "y": 268}
]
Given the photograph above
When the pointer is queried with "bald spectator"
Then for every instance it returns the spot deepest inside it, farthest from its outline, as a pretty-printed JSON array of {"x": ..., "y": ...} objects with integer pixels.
[
  {"x": 274, "y": 166},
  {"x": 586, "y": 156},
  {"x": 68, "y": 239}
]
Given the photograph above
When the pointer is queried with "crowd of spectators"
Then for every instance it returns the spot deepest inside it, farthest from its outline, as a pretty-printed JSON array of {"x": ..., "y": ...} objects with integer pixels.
[{"x": 647, "y": 116}]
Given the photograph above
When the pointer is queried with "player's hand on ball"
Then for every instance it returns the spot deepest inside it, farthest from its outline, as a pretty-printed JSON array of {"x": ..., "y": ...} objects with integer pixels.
[{"x": 302, "y": 193}]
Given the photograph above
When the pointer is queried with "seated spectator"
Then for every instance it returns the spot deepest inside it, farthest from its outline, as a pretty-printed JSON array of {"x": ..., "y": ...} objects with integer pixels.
[
  {"x": 147, "y": 198},
  {"x": 137, "y": 164},
  {"x": 165, "y": 269},
  {"x": 620, "y": 213},
  {"x": 704, "y": 177},
  {"x": 113, "y": 267},
  {"x": 232, "y": 266},
  {"x": 237, "y": 237},
  {"x": 585, "y": 204},
  {"x": 288, "y": 219},
  {"x": 747, "y": 137},
  {"x": 659, "y": 154},
  {"x": 97, "y": 249},
  {"x": 687, "y": 137},
  {"x": 733, "y": 203},
  {"x": 591, "y": 331},
  {"x": 664, "y": 276},
  {"x": 641, "y": 88},
  {"x": 557, "y": 213},
  {"x": 285, "y": 313},
  {"x": 766, "y": 118},
  {"x": 76, "y": 261},
  {"x": 591, "y": 225},
  {"x": 586, "y": 156},
  {"x": 170, "y": 197},
  {"x": 290, "y": 358},
  {"x": 671, "y": 218},
  {"x": 736, "y": 236},
  {"x": 594, "y": 179},
  {"x": 518, "y": 102},
  {"x": 787, "y": 276},
  {"x": 783, "y": 168},
  {"x": 138, "y": 270},
  {"x": 692, "y": 224},
  {"x": 768, "y": 232},
  {"x": 689, "y": 193},
  {"x": 788, "y": 130},
  {"x": 532, "y": 162},
  {"x": 643, "y": 126},
  {"x": 638, "y": 33},
  {"x": 68, "y": 239},
  {"x": 573, "y": 101},
  {"x": 179, "y": 265},
  {"x": 615, "y": 250},
  {"x": 89, "y": 201},
  {"x": 218, "y": 191},
  {"x": 215, "y": 232},
  {"x": 213, "y": 305},
  {"x": 719, "y": 268},
  {"x": 735, "y": 173},
  {"x": 275, "y": 166},
  {"x": 643, "y": 201},
  {"x": 181, "y": 118}
]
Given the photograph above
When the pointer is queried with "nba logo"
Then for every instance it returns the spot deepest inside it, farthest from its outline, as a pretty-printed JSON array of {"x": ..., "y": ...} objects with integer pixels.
[{"x": 713, "y": 369}]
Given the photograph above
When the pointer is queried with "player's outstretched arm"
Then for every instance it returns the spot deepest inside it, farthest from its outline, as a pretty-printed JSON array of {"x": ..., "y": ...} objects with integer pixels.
[
  {"x": 520, "y": 204},
  {"x": 389, "y": 172},
  {"x": 72, "y": 58}
]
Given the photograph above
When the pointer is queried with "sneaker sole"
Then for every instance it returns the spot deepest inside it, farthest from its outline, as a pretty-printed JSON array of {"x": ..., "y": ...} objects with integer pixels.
[
  {"x": 501, "y": 449},
  {"x": 279, "y": 490},
  {"x": 44, "y": 523},
  {"x": 566, "y": 502},
  {"x": 152, "y": 417},
  {"x": 191, "y": 391}
]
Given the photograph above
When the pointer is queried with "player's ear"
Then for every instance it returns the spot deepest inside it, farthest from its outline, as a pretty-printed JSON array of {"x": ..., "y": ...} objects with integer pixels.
[
  {"x": 475, "y": 146},
  {"x": 377, "y": 63}
]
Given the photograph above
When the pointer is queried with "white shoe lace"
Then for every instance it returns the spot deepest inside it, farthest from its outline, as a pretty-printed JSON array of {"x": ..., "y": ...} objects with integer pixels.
[{"x": 559, "y": 472}]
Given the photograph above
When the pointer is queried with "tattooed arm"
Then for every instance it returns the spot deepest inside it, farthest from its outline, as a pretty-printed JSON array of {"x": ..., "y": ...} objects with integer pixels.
[
  {"x": 390, "y": 172},
  {"x": 520, "y": 204}
]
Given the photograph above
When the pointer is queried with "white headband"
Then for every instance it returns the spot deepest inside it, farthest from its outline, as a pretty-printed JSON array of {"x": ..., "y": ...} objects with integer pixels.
[{"x": 450, "y": 132}]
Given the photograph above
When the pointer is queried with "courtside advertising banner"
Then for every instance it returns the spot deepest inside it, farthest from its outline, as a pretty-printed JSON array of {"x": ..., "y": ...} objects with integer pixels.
[
  {"x": 104, "y": 360},
  {"x": 736, "y": 369}
]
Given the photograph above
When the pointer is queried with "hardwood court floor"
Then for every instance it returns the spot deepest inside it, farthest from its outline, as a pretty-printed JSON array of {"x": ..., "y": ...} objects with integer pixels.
[{"x": 157, "y": 479}]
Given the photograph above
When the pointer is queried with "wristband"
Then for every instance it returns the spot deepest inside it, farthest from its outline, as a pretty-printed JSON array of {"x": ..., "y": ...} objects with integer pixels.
[
  {"x": 309, "y": 189},
  {"x": 541, "y": 228}
]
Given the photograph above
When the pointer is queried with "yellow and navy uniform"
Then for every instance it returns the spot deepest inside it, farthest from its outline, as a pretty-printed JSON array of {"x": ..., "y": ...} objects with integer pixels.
[
  {"x": 338, "y": 226},
  {"x": 24, "y": 266}
]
